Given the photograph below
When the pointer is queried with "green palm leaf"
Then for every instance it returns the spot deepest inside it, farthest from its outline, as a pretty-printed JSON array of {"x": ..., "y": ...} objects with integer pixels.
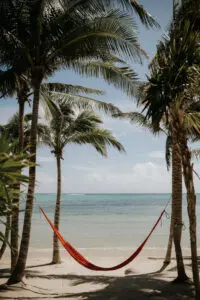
[
  {"x": 121, "y": 77},
  {"x": 80, "y": 102},
  {"x": 69, "y": 89},
  {"x": 98, "y": 138},
  {"x": 144, "y": 16}
]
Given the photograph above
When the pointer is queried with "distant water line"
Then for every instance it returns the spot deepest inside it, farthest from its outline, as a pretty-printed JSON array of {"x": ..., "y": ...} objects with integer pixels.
[{"x": 106, "y": 220}]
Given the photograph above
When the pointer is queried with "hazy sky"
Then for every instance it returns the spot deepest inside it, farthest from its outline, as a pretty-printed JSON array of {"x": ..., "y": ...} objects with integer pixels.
[{"x": 142, "y": 169}]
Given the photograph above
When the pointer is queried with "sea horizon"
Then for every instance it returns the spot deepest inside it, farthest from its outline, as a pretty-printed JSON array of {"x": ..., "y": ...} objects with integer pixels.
[
  {"x": 106, "y": 220},
  {"x": 108, "y": 193}
]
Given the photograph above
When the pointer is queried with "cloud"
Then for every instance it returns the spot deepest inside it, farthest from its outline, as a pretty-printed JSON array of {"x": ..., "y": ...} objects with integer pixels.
[
  {"x": 146, "y": 177},
  {"x": 143, "y": 177},
  {"x": 157, "y": 154}
]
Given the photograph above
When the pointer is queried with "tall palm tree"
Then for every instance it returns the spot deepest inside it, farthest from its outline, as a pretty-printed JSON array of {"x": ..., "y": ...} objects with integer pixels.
[
  {"x": 45, "y": 37},
  {"x": 151, "y": 94},
  {"x": 180, "y": 52},
  {"x": 71, "y": 128},
  {"x": 173, "y": 159}
]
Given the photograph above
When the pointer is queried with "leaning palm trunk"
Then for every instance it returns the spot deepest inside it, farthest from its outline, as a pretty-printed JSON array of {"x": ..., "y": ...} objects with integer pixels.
[
  {"x": 56, "y": 250},
  {"x": 6, "y": 235},
  {"x": 15, "y": 211},
  {"x": 19, "y": 269},
  {"x": 191, "y": 206},
  {"x": 168, "y": 255},
  {"x": 177, "y": 207}
]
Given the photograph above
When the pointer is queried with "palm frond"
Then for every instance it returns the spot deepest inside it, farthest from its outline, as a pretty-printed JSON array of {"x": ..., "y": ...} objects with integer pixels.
[
  {"x": 111, "y": 32},
  {"x": 135, "y": 118},
  {"x": 127, "y": 5},
  {"x": 192, "y": 122},
  {"x": 83, "y": 122},
  {"x": 5, "y": 146},
  {"x": 81, "y": 102},
  {"x": 49, "y": 106},
  {"x": 7, "y": 83},
  {"x": 69, "y": 89},
  {"x": 144, "y": 16},
  {"x": 195, "y": 153},
  {"x": 97, "y": 138},
  {"x": 121, "y": 77}
]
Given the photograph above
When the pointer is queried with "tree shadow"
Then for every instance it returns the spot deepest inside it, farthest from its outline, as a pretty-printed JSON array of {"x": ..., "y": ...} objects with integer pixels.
[
  {"x": 129, "y": 288},
  {"x": 132, "y": 287},
  {"x": 119, "y": 288},
  {"x": 4, "y": 273},
  {"x": 40, "y": 265},
  {"x": 173, "y": 258}
]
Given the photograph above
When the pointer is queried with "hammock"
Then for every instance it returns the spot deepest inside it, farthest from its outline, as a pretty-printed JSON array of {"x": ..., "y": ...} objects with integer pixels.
[{"x": 87, "y": 264}]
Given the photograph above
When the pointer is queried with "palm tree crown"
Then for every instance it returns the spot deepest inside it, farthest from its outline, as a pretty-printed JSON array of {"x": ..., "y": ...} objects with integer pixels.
[{"x": 79, "y": 128}]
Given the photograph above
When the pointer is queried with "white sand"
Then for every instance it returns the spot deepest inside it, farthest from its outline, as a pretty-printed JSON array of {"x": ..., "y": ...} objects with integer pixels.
[{"x": 69, "y": 280}]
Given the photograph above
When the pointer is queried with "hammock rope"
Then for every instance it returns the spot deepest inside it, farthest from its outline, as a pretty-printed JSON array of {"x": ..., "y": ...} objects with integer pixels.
[{"x": 86, "y": 263}]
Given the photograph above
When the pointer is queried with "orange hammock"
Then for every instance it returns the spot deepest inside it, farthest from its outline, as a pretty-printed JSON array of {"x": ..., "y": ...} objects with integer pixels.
[{"x": 84, "y": 262}]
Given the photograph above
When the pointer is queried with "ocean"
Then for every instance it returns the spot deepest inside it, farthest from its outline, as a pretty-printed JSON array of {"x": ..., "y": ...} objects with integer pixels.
[{"x": 106, "y": 220}]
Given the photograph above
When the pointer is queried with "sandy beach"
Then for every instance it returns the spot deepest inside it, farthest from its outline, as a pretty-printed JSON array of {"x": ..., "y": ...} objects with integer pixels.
[
  {"x": 69, "y": 280},
  {"x": 90, "y": 222}
]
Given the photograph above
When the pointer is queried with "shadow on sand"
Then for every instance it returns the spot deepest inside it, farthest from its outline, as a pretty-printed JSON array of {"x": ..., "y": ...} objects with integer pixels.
[{"x": 133, "y": 287}]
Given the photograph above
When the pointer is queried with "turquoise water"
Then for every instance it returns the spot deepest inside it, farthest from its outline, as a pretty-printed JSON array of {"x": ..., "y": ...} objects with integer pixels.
[{"x": 105, "y": 220}]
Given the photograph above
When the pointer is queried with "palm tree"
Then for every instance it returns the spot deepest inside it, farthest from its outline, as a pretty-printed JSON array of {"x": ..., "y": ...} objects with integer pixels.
[
  {"x": 49, "y": 92},
  {"x": 11, "y": 166},
  {"x": 10, "y": 84},
  {"x": 5, "y": 204},
  {"x": 43, "y": 43},
  {"x": 11, "y": 132},
  {"x": 45, "y": 37},
  {"x": 169, "y": 95},
  {"x": 176, "y": 217},
  {"x": 173, "y": 160},
  {"x": 4, "y": 237},
  {"x": 71, "y": 128}
]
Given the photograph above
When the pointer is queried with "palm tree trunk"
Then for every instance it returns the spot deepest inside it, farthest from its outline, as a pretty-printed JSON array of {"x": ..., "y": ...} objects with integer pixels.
[
  {"x": 15, "y": 211},
  {"x": 191, "y": 206},
  {"x": 21, "y": 124},
  {"x": 56, "y": 250},
  {"x": 19, "y": 269},
  {"x": 177, "y": 208},
  {"x": 168, "y": 255},
  {"x": 6, "y": 235}
]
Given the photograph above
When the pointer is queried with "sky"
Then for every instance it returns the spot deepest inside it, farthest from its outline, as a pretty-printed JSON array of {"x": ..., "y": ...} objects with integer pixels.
[{"x": 142, "y": 169}]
